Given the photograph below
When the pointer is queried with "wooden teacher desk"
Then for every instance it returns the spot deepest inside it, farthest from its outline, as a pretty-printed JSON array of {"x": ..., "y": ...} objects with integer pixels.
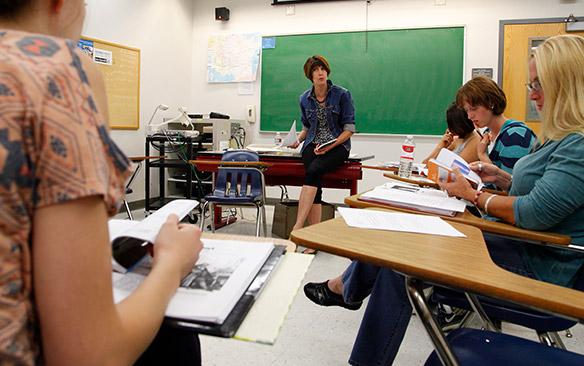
[
  {"x": 493, "y": 227},
  {"x": 461, "y": 263},
  {"x": 286, "y": 169}
]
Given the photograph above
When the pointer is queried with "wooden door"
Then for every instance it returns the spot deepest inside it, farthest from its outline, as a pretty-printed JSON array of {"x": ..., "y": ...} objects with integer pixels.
[{"x": 516, "y": 43}]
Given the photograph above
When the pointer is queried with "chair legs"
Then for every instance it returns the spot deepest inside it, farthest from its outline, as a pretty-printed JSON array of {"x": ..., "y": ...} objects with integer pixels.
[
  {"x": 258, "y": 220},
  {"x": 203, "y": 210},
  {"x": 260, "y": 214},
  {"x": 264, "y": 219},
  {"x": 212, "y": 215},
  {"x": 128, "y": 211}
]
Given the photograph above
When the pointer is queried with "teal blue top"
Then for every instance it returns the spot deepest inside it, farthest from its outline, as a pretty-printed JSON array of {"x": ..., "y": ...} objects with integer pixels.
[{"x": 549, "y": 184}]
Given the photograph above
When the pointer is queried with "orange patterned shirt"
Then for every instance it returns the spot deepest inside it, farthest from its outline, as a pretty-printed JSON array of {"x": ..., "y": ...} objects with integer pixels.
[{"x": 54, "y": 147}]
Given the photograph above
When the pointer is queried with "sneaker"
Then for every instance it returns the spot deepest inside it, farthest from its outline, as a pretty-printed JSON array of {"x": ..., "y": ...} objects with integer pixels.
[
  {"x": 320, "y": 294},
  {"x": 449, "y": 320}
]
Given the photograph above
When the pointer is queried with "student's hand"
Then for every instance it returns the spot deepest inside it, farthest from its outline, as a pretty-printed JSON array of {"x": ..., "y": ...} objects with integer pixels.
[
  {"x": 177, "y": 245},
  {"x": 489, "y": 173},
  {"x": 295, "y": 144},
  {"x": 446, "y": 139},
  {"x": 458, "y": 186},
  {"x": 324, "y": 150},
  {"x": 484, "y": 145}
]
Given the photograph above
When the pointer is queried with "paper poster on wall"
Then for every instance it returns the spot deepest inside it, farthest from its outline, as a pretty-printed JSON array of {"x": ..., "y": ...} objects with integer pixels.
[
  {"x": 233, "y": 58},
  {"x": 86, "y": 46},
  {"x": 245, "y": 89},
  {"x": 103, "y": 57}
]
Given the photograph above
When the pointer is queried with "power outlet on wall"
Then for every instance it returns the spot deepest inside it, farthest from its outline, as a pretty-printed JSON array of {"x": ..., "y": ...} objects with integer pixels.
[
  {"x": 290, "y": 10},
  {"x": 250, "y": 113}
]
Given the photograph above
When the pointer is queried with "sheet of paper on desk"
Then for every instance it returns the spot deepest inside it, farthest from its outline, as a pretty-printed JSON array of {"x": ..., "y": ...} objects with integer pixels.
[
  {"x": 395, "y": 221},
  {"x": 410, "y": 194},
  {"x": 290, "y": 137}
]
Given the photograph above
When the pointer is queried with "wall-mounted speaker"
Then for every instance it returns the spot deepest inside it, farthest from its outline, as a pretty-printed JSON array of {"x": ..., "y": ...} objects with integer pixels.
[{"x": 222, "y": 14}]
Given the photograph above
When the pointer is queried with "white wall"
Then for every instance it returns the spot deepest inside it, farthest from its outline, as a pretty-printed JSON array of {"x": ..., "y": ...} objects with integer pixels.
[
  {"x": 162, "y": 30},
  {"x": 481, "y": 19},
  {"x": 172, "y": 36}
]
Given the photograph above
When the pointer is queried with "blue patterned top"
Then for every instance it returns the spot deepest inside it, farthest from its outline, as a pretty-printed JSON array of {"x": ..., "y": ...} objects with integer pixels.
[{"x": 515, "y": 140}]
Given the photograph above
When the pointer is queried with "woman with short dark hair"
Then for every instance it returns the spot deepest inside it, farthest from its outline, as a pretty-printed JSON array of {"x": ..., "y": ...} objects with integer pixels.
[{"x": 327, "y": 114}]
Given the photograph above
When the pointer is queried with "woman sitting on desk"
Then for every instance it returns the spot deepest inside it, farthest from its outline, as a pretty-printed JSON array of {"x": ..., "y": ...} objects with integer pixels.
[
  {"x": 546, "y": 193},
  {"x": 327, "y": 114},
  {"x": 505, "y": 140},
  {"x": 460, "y": 137},
  {"x": 61, "y": 178}
]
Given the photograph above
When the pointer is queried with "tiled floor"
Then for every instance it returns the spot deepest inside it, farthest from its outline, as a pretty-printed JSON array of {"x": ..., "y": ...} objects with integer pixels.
[{"x": 313, "y": 335}]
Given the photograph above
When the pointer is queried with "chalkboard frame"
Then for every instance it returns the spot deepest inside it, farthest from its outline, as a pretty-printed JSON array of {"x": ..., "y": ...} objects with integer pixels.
[{"x": 273, "y": 86}]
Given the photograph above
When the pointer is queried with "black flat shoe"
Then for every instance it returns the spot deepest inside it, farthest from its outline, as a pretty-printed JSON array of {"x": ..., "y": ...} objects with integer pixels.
[{"x": 320, "y": 294}]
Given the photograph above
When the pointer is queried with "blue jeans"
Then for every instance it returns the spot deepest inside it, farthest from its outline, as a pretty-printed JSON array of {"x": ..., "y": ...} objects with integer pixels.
[
  {"x": 386, "y": 317},
  {"x": 388, "y": 311}
]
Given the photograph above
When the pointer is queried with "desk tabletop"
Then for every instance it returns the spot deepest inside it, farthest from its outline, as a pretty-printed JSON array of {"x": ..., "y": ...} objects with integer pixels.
[
  {"x": 462, "y": 263},
  {"x": 288, "y": 155},
  {"x": 467, "y": 218},
  {"x": 137, "y": 159},
  {"x": 257, "y": 164},
  {"x": 290, "y": 246}
]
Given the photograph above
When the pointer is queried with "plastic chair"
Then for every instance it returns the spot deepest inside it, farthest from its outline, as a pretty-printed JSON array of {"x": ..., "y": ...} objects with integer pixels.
[
  {"x": 239, "y": 186},
  {"x": 546, "y": 325},
  {"x": 481, "y": 348}
]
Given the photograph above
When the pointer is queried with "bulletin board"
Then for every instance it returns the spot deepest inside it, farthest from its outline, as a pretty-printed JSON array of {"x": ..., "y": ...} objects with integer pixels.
[{"x": 120, "y": 66}]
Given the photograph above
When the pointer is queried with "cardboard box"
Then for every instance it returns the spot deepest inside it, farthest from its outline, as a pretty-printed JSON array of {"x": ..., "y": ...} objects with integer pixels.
[{"x": 285, "y": 217}]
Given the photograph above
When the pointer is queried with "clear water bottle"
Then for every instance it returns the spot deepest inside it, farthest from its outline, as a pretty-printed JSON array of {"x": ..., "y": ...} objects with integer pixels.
[
  {"x": 278, "y": 139},
  {"x": 406, "y": 159}
]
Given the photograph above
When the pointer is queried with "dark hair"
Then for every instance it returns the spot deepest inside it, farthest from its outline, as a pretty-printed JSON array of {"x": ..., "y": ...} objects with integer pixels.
[
  {"x": 313, "y": 62},
  {"x": 457, "y": 121},
  {"x": 12, "y": 7},
  {"x": 482, "y": 91}
]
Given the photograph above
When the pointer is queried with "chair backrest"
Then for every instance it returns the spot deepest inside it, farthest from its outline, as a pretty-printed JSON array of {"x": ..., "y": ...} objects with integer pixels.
[
  {"x": 240, "y": 155},
  {"x": 239, "y": 182}
]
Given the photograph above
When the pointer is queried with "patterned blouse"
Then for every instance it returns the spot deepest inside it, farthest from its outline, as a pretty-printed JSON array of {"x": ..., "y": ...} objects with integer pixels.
[
  {"x": 323, "y": 132},
  {"x": 54, "y": 147}
]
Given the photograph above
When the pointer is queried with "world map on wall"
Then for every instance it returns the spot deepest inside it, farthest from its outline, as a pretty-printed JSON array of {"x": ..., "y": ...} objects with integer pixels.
[{"x": 233, "y": 58}]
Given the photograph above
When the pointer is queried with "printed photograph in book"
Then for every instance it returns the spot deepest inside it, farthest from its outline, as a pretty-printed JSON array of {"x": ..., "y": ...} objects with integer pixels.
[{"x": 211, "y": 276}]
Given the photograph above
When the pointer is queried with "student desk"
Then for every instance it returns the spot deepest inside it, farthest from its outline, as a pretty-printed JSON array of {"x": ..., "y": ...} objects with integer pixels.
[
  {"x": 468, "y": 218},
  {"x": 392, "y": 174},
  {"x": 287, "y": 169},
  {"x": 460, "y": 263}
]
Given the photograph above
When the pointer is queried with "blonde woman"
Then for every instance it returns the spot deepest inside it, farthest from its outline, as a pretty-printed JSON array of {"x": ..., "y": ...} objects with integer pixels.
[{"x": 546, "y": 193}]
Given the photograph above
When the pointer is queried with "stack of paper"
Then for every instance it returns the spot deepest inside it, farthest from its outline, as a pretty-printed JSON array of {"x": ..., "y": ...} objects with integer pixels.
[{"x": 412, "y": 197}]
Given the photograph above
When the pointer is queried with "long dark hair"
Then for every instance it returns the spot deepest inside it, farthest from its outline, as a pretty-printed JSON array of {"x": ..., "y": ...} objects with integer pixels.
[
  {"x": 458, "y": 122},
  {"x": 12, "y": 7}
]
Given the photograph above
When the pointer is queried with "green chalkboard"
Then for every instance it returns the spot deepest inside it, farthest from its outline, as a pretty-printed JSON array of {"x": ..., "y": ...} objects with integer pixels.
[{"x": 401, "y": 81}]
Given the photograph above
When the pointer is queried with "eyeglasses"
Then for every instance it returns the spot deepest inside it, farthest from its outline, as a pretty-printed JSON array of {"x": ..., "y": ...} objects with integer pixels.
[{"x": 534, "y": 86}]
